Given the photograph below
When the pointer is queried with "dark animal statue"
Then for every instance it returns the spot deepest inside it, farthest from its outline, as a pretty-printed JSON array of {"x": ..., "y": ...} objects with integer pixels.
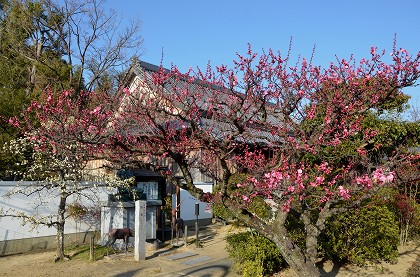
[
  {"x": 178, "y": 226},
  {"x": 114, "y": 234}
]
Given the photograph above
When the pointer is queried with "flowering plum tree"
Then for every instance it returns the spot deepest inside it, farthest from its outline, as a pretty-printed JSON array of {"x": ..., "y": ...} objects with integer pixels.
[
  {"x": 62, "y": 135},
  {"x": 297, "y": 134}
]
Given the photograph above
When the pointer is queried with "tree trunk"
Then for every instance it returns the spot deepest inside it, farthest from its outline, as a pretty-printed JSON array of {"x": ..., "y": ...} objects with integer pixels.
[
  {"x": 294, "y": 256},
  {"x": 33, "y": 72},
  {"x": 60, "y": 227},
  {"x": 312, "y": 233}
]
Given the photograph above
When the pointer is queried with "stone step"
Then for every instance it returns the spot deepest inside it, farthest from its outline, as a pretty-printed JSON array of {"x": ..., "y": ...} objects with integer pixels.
[
  {"x": 197, "y": 260},
  {"x": 180, "y": 256}
]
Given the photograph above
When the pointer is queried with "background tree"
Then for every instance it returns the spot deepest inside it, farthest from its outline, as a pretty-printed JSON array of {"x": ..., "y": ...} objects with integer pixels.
[
  {"x": 68, "y": 44},
  {"x": 297, "y": 132},
  {"x": 31, "y": 46}
]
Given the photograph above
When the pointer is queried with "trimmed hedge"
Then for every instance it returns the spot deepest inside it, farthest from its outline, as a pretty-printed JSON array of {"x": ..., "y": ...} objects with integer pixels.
[
  {"x": 254, "y": 255},
  {"x": 362, "y": 235}
]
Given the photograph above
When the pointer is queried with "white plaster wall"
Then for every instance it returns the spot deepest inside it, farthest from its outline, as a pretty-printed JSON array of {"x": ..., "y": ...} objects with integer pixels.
[
  {"x": 187, "y": 208},
  {"x": 111, "y": 217},
  {"x": 13, "y": 228},
  {"x": 123, "y": 216}
]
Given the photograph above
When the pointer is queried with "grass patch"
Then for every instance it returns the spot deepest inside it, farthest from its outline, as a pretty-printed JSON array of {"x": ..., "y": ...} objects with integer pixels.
[{"x": 82, "y": 252}]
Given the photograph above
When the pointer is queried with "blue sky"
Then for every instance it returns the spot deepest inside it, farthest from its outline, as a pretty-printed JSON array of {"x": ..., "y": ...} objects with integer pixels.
[{"x": 192, "y": 33}]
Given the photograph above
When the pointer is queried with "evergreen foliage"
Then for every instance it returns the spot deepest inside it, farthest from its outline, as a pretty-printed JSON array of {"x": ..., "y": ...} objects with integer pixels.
[
  {"x": 368, "y": 234},
  {"x": 253, "y": 254}
]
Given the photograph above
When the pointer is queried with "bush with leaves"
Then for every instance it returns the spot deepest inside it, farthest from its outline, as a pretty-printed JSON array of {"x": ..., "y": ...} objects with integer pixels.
[
  {"x": 253, "y": 254},
  {"x": 219, "y": 210},
  {"x": 368, "y": 234},
  {"x": 407, "y": 210}
]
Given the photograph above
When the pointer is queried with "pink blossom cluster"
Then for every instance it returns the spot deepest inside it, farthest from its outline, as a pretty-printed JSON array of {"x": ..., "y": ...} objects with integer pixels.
[
  {"x": 377, "y": 177},
  {"x": 342, "y": 192}
]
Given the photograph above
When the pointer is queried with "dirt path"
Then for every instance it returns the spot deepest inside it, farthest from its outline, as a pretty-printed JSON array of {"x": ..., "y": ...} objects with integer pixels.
[
  {"x": 41, "y": 264},
  {"x": 157, "y": 263}
]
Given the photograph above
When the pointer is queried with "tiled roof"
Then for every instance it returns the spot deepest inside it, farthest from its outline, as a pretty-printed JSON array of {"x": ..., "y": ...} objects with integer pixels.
[{"x": 219, "y": 129}]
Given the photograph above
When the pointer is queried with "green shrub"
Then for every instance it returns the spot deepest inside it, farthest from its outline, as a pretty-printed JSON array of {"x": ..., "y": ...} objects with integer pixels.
[
  {"x": 253, "y": 254},
  {"x": 217, "y": 207},
  {"x": 363, "y": 235},
  {"x": 220, "y": 211}
]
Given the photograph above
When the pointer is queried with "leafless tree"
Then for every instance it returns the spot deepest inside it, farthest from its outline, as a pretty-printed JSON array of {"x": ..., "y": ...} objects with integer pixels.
[{"x": 74, "y": 43}]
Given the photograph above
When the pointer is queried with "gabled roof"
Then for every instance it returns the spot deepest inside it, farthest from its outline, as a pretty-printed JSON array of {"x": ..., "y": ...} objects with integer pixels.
[{"x": 219, "y": 129}]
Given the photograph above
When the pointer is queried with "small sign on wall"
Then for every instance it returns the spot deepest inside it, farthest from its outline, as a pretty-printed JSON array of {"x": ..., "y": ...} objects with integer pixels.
[{"x": 151, "y": 189}]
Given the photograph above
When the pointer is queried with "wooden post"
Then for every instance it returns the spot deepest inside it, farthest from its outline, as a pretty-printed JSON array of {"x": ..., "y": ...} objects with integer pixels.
[
  {"x": 197, "y": 213},
  {"x": 172, "y": 235},
  {"x": 185, "y": 235},
  {"x": 92, "y": 248},
  {"x": 162, "y": 217}
]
